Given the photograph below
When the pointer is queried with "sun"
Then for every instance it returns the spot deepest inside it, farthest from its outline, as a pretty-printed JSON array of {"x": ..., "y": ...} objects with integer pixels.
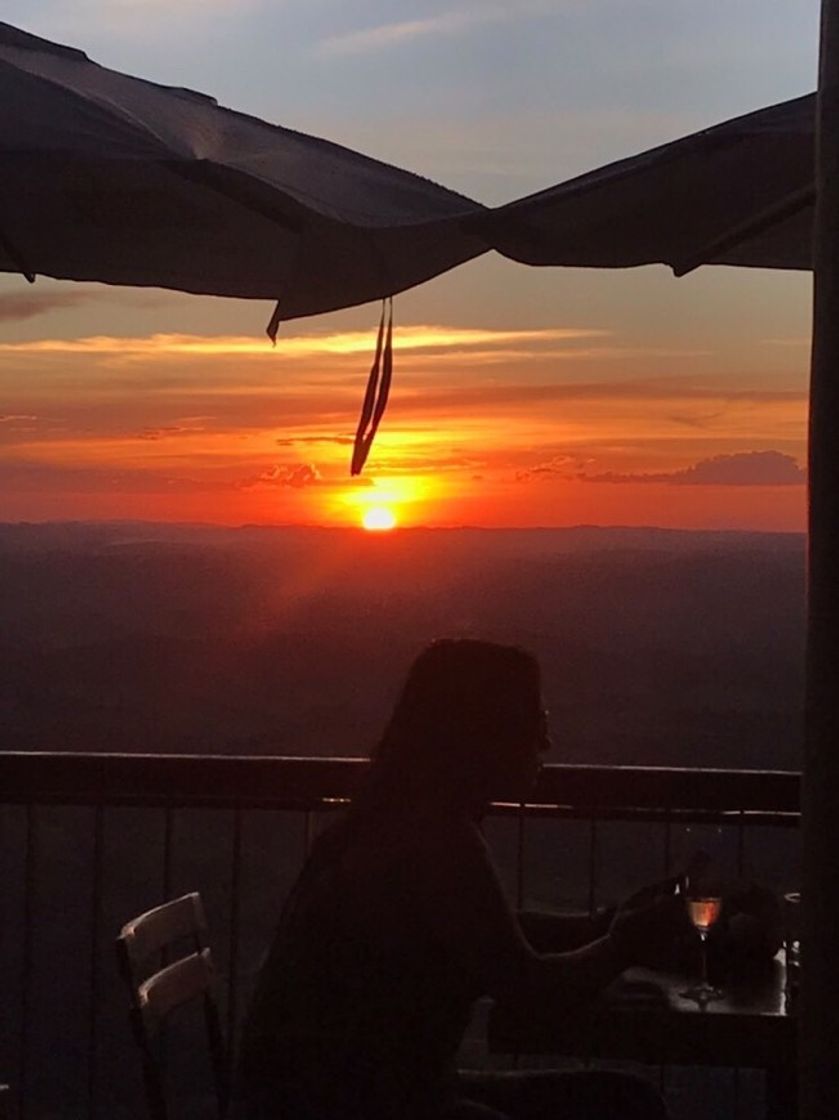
[{"x": 378, "y": 519}]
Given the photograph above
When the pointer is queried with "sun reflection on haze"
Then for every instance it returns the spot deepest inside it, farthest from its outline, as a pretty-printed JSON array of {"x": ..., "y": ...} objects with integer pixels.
[
  {"x": 408, "y": 499},
  {"x": 378, "y": 519}
]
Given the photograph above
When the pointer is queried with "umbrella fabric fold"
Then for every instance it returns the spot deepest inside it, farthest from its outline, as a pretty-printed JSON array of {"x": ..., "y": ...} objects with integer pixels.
[
  {"x": 112, "y": 178},
  {"x": 740, "y": 193}
]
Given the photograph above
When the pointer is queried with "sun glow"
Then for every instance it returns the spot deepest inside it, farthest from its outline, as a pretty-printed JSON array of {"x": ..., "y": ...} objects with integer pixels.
[
  {"x": 378, "y": 519},
  {"x": 408, "y": 498}
]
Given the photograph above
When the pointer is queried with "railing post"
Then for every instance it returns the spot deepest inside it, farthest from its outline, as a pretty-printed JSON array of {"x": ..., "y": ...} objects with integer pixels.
[
  {"x": 30, "y": 870},
  {"x": 592, "y": 866},
  {"x": 819, "y": 1020},
  {"x": 520, "y": 857},
  {"x": 95, "y": 949},
  {"x": 235, "y": 909},
  {"x": 168, "y": 828},
  {"x": 308, "y": 832}
]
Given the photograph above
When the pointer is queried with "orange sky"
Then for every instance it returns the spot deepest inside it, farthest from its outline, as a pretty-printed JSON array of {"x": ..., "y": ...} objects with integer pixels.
[
  {"x": 553, "y": 424},
  {"x": 520, "y": 396}
]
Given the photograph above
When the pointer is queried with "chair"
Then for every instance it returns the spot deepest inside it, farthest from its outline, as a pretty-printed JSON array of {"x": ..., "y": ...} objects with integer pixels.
[{"x": 144, "y": 941}]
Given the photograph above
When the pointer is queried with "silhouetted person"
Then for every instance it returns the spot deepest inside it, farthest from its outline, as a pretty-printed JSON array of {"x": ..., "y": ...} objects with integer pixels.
[{"x": 398, "y": 924}]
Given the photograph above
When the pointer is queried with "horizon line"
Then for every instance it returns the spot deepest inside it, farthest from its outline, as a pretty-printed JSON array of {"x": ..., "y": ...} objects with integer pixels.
[{"x": 397, "y": 530}]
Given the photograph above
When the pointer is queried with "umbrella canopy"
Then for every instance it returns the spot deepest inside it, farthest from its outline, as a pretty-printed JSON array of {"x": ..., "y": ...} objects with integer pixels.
[
  {"x": 741, "y": 193},
  {"x": 111, "y": 178}
]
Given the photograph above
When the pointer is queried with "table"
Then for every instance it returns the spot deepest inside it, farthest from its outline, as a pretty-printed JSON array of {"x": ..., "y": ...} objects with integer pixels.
[{"x": 643, "y": 1018}]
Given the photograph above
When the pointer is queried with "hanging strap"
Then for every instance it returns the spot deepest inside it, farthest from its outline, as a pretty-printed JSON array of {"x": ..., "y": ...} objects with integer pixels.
[{"x": 377, "y": 392}]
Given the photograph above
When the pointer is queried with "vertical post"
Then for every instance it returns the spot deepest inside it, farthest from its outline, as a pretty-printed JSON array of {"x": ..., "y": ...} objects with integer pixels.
[
  {"x": 819, "y": 1022},
  {"x": 95, "y": 952},
  {"x": 30, "y": 879},
  {"x": 235, "y": 908},
  {"x": 592, "y": 866},
  {"x": 520, "y": 895}
]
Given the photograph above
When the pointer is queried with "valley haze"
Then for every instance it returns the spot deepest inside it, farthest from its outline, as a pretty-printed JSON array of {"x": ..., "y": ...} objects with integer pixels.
[{"x": 659, "y": 647}]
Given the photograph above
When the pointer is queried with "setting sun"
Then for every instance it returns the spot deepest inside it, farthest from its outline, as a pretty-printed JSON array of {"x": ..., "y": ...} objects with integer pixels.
[{"x": 378, "y": 519}]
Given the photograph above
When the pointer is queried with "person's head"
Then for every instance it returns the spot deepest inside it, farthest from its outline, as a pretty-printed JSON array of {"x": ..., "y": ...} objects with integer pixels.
[{"x": 468, "y": 724}]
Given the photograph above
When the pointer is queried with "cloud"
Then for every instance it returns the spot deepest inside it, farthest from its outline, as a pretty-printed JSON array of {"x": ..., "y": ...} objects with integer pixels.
[
  {"x": 341, "y": 441},
  {"x": 75, "y": 20},
  {"x": 280, "y": 475},
  {"x": 16, "y": 307},
  {"x": 425, "y": 460},
  {"x": 747, "y": 468},
  {"x": 408, "y": 338},
  {"x": 56, "y": 478},
  {"x": 643, "y": 390},
  {"x": 560, "y": 466},
  {"x": 701, "y": 421},
  {"x": 444, "y": 24},
  {"x": 141, "y": 7},
  {"x": 168, "y": 430},
  {"x": 793, "y": 340},
  {"x": 311, "y": 412}
]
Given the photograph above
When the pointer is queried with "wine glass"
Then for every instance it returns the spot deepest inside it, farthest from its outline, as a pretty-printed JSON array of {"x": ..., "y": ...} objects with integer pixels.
[{"x": 703, "y": 907}]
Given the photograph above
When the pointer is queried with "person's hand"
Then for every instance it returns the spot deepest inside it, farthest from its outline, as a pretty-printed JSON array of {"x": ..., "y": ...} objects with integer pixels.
[
  {"x": 647, "y": 932},
  {"x": 646, "y": 896}
]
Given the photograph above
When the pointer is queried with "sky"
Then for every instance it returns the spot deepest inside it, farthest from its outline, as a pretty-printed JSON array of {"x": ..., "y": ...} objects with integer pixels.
[{"x": 521, "y": 397}]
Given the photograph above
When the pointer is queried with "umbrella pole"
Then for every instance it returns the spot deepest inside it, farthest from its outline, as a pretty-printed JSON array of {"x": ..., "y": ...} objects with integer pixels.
[{"x": 819, "y": 1023}]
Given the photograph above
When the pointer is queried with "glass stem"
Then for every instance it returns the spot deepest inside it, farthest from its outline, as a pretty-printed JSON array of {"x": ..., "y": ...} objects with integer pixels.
[{"x": 703, "y": 937}]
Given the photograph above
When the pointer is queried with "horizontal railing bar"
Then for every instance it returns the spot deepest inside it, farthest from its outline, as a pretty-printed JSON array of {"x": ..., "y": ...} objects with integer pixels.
[
  {"x": 180, "y": 780},
  {"x": 642, "y": 792},
  {"x": 628, "y": 814},
  {"x": 669, "y": 788},
  {"x": 732, "y": 817},
  {"x": 160, "y": 802}
]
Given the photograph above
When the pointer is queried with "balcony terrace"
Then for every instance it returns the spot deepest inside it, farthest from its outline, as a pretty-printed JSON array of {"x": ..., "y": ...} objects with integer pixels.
[{"x": 92, "y": 839}]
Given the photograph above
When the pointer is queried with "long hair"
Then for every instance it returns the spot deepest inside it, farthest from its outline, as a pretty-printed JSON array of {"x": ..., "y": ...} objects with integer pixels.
[
  {"x": 466, "y": 721},
  {"x": 466, "y": 726}
]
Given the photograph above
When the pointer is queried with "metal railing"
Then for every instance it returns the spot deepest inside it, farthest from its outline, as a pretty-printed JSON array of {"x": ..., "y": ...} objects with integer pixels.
[{"x": 93, "y": 839}]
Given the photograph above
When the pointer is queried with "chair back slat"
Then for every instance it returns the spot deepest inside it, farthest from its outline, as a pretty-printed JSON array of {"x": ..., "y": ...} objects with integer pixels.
[
  {"x": 153, "y": 931},
  {"x": 154, "y": 997},
  {"x": 175, "y": 985}
]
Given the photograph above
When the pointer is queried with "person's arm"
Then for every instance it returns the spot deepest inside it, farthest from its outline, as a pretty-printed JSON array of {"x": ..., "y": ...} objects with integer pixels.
[
  {"x": 461, "y": 903},
  {"x": 548, "y": 932}
]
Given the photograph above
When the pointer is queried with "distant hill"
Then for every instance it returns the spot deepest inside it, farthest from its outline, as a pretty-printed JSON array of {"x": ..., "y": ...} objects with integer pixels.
[{"x": 658, "y": 646}]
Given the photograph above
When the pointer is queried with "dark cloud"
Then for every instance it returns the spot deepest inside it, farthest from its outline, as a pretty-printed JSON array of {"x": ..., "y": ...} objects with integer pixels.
[
  {"x": 702, "y": 422},
  {"x": 167, "y": 430},
  {"x": 560, "y": 466},
  {"x": 342, "y": 441},
  {"x": 529, "y": 393},
  {"x": 15, "y": 307},
  {"x": 747, "y": 468},
  {"x": 297, "y": 476},
  {"x": 404, "y": 463},
  {"x": 305, "y": 474},
  {"x": 46, "y": 478}
]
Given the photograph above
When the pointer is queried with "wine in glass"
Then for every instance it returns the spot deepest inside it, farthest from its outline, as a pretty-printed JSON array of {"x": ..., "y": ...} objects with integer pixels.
[{"x": 703, "y": 909}]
